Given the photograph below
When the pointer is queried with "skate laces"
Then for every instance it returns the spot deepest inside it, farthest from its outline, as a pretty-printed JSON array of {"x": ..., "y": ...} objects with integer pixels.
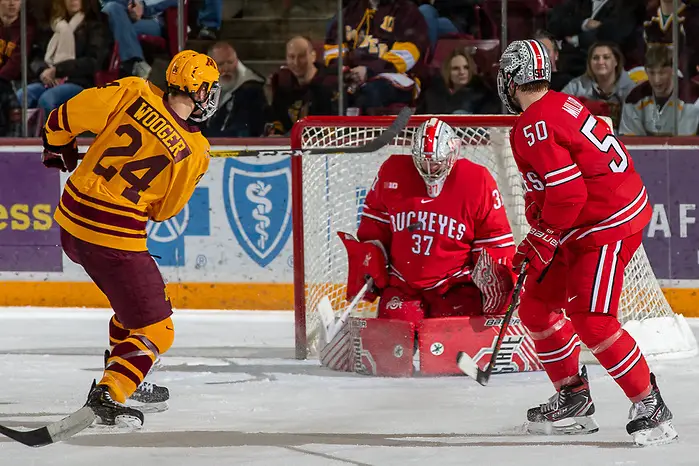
[
  {"x": 555, "y": 401},
  {"x": 645, "y": 407},
  {"x": 146, "y": 387}
]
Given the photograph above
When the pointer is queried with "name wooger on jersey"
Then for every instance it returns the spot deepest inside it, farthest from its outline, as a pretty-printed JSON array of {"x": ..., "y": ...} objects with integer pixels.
[{"x": 431, "y": 222}]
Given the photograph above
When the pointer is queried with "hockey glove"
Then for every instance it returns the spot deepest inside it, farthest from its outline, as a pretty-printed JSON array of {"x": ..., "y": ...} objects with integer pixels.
[
  {"x": 364, "y": 259},
  {"x": 65, "y": 158},
  {"x": 537, "y": 248}
]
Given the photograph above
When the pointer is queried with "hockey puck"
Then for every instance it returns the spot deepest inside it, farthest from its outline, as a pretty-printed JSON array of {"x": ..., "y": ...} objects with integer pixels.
[{"x": 415, "y": 226}]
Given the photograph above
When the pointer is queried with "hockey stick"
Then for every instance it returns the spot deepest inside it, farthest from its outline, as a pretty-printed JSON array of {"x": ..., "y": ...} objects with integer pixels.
[
  {"x": 55, "y": 432},
  {"x": 332, "y": 326},
  {"x": 466, "y": 363},
  {"x": 375, "y": 144}
]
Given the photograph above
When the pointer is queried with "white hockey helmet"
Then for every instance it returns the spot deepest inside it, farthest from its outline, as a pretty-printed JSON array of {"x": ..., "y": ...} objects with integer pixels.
[
  {"x": 435, "y": 150},
  {"x": 522, "y": 62}
]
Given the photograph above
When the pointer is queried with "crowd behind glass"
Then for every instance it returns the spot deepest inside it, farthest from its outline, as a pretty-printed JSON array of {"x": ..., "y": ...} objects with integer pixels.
[{"x": 631, "y": 61}]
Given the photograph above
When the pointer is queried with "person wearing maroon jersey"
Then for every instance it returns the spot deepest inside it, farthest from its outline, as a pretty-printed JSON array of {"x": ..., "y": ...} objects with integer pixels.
[
  {"x": 425, "y": 222},
  {"x": 587, "y": 207}
]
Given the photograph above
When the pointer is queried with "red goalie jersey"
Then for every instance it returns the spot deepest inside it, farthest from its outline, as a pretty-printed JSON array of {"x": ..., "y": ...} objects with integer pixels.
[
  {"x": 434, "y": 242},
  {"x": 579, "y": 177}
]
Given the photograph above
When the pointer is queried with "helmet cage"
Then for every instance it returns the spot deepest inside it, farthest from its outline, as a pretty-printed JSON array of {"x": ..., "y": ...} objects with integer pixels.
[
  {"x": 209, "y": 104},
  {"x": 434, "y": 166}
]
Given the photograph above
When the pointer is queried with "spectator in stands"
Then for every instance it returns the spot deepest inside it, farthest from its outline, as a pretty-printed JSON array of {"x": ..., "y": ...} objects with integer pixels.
[
  {"x": 581, "y": 23},
  {"x": 445, "y": 17},
  {"x": 127, "y": 20},
  {"x": 559, "y": 78},
  {"x": 10, "y": 66},
  {"x": 459, "y": 89},
  {"x": 657, "y": 29},
  {"x": 300, "y": 88},
  {"x": 649, "y": 109},
  {"x": 210, "y": 19},
  {"x": 242, "y": 106},
  {"x": 384, "y": 41},
  {"x": 76, "y": 50},
  {"x": 605, "y": 85}
]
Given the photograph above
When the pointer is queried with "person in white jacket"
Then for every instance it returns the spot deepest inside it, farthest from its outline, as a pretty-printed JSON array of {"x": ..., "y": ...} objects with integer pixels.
[{"x": 605, "y": 85}]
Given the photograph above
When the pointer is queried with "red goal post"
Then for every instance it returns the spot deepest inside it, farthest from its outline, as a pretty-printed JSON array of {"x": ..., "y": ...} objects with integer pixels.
[{"x": 327, "y": 195}]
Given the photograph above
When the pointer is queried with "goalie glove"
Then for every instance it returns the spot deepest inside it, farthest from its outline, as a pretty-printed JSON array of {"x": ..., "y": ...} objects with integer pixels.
[
  {"x": 64, "y": 158},
  {"x": 495, "y": 281},
  {"x": 537, "y": 248},
  {"x": 364, "y": 259}
]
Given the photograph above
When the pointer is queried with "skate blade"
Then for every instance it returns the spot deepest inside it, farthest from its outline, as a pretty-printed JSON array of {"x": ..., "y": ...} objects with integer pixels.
[
  {"x": 125, "y": 421},
  {"x": 571, "y": 426},
  {"x": 122, "y": 423},
  {"x": 148, "y": 407},
  {"x": 660, "y": 435}
]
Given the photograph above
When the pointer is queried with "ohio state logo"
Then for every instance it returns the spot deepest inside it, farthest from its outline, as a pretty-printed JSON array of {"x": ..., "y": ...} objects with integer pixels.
[{"x": 394, "y": 303}]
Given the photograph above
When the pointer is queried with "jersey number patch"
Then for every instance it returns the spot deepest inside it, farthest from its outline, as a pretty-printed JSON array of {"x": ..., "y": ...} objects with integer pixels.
[
  {"x": 620, "y": 159},
  {"x": 152, "y": 165}
]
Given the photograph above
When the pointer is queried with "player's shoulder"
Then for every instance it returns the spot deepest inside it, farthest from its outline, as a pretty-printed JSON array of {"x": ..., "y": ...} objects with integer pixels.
[
  {"x": 132, "y": 85},
  {"x": 559, "y": 112},
  {"x": 471, "y": 173},
  {"x": 396, "y": 163}
]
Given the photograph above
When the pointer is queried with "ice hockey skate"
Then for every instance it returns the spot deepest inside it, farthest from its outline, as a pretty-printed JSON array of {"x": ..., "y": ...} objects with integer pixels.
[
  {"x": 651, "y": 419},
  {"x": 148, "y": 397},
  {"x": 567, "y": 412},
  {"x": 110, "y": 413}
]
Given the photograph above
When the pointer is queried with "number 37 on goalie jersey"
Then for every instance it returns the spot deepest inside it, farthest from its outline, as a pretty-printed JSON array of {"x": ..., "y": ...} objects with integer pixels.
[{"x": 592, "y": 148}]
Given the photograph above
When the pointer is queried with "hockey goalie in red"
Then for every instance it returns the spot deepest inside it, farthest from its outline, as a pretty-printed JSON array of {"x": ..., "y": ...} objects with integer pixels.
[
  {"x": 425, "y": 225},
  {"x": 587, "y": 207}
]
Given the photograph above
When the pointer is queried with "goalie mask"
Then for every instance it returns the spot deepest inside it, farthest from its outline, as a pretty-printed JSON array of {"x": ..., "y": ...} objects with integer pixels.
[
  {"x": 196, "y": 75},
  {"x": 435, "y": 150},
  {"x": 522, "y": 62}
]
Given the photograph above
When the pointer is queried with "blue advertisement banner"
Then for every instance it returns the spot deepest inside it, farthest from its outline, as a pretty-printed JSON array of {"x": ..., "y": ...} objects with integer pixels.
[{"x": 671, "y": 239}]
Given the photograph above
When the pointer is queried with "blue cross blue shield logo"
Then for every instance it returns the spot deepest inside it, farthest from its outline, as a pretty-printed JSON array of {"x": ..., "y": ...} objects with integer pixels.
[
  {"x": 166, "y": 239},
  {"x": 258, "y": 205}
]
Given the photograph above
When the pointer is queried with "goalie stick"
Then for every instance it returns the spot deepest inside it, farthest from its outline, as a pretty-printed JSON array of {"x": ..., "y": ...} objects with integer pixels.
[
  {"x": 466, "y": 363},
  {"x": 54, "y": 432},
  {"x": 327, "y": 314},
  {"x": 383, "y": 139}
]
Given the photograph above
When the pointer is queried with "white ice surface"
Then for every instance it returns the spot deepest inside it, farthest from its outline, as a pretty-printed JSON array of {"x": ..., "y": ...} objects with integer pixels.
[{"x": 239, "y": 398}]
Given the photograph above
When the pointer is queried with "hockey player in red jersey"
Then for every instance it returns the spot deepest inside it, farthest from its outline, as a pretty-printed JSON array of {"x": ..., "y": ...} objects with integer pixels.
[
  {"x": 587, "y": 207},
  {"x": 427, "y": 218},
  {"x": 425, "y": 225}
]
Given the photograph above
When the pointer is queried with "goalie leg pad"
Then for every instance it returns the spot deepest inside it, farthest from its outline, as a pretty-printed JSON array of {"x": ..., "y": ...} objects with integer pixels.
[
  {"x": 441, "y": 339},
  {"x": 382, "y": 347},
  {"x": 338, "y": 355}
]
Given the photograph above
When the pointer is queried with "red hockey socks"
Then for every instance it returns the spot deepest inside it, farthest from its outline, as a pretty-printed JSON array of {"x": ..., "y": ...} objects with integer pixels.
[
  {"x": 558, "y": 348},
  {"x": 616, "y": 350}
]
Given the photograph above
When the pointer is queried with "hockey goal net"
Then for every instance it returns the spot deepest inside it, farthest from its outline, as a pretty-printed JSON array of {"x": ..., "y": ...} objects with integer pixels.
[{"x": 328, "y": 194}]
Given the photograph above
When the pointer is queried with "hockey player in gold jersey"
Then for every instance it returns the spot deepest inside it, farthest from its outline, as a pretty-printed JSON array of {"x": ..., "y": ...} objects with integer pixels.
[{"x": 143, "y": 165}]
